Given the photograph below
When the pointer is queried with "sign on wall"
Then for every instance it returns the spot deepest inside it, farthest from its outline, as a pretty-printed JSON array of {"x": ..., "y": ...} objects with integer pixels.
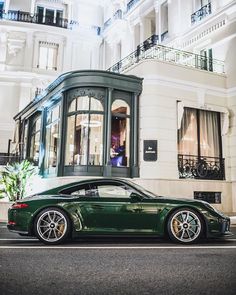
[{"x": 150, "y": 150}]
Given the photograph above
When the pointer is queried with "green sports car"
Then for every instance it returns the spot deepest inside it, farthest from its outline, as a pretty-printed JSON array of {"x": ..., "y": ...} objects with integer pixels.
[{"x": 113, "y": 207}]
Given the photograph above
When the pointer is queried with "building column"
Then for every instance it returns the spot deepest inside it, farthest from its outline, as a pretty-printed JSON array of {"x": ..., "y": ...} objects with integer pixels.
[
  {"x": 32, "y": 9},
  {"x": 107, "y": 135},
  {"x": 62, "y": 143},
  {"x": 142, "y": 31},
  {"x": 6, "y": 6},
  {"x": 134, "y": 132}
]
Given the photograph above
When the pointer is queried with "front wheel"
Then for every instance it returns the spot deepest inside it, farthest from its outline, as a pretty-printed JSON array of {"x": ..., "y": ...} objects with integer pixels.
[
  {"x": 52, "y": 226},
  {"x": 185, "y": 226}
]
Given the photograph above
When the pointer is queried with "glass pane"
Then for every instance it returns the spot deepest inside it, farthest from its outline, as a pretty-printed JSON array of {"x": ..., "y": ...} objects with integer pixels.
[
  {"x": 37, "y": 124},
  {"x": 83, "y": 103},
  {"x": 209, "y": 134},
  {"x": 187, "y": 134},
  {"x": 120, "y": 141},
  {"x": 52, "y": 138},
  {"x": 49, "y": 116},
  {"x": 121, "y": 107},
  {"x": 69, "y": 157},
  {"x": 43, "y": 55},
  {"x": 111, "y": 191},
  {"x": 81, "y": 139},
  {"x": 72, "y": 105},
  {"x": 96, "y": 140},
  {"x": 25, "y": 140},
  {"x": 95, "y": 105},
  {"x": 34, "y": 148},
  {"x": 55, "y": 113}
]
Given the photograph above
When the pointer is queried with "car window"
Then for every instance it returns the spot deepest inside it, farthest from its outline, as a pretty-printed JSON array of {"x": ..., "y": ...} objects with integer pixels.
[
  {"x": 81, "y": 190},
  {"x": 111, "y": 190}
]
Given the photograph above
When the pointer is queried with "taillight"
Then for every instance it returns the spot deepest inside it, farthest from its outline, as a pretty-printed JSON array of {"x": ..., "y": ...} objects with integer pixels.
[
  {"x": 11, "y": 223},
  {"x": 19, "y": 206}
]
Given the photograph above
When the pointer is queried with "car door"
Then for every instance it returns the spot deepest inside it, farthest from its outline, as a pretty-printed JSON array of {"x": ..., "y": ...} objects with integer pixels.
[{"x": 111, "y": 208}]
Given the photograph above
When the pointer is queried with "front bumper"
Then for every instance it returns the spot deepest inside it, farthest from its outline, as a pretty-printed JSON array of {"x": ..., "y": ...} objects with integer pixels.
[{"x": 222, "y": 229}]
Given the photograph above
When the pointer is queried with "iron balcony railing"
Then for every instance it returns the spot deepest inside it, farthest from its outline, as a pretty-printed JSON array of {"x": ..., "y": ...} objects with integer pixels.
[
  {"x": 23, "y": 16},
  {"x": 117, "y": 15},
  {"x": 150, "y": 49},
  {"x": 201, "y": 13},
  {"x": 195, "y": 167},
  {"x": 27, "y": 17},
  {"x": 131, "y": 4}
]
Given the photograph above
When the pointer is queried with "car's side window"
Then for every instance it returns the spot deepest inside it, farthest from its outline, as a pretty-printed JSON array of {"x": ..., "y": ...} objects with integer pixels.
[
  {"x": 81, "y": 190},
  {"x": 111, "y": 190}
]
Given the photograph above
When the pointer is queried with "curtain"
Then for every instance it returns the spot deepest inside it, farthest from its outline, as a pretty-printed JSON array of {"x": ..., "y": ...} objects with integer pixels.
[
  {"x": 209, "y": 134},
  {"x": 187, "y": 134}
]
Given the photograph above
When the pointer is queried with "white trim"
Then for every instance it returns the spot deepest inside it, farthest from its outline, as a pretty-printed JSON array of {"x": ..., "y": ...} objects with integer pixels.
[
  {"x": 118, "y": 247},
  {"x": 184, "y": 85}
]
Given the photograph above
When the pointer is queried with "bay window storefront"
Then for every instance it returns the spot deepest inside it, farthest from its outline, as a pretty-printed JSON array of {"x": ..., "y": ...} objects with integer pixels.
[
  {"x": 199, "y": 145},
  {"x": 85, "y": 128}
]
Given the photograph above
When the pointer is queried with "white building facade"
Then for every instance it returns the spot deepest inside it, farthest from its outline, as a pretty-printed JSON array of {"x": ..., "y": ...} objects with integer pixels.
[{"x": 183, "y": 50}]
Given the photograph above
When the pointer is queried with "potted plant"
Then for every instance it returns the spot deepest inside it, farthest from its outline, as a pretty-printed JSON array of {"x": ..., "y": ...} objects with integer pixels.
[{"x": 14, "y": 177}]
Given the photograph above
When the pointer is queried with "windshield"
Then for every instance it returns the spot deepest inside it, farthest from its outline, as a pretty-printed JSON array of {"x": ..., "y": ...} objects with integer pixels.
[{"x": 143, "y": 190}]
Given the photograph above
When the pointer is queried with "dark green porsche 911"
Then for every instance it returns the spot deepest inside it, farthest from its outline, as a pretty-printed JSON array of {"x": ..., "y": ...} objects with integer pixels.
[{"x": 113, "y": 207}]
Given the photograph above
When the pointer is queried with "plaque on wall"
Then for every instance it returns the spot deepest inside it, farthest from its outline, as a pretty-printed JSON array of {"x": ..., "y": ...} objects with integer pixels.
[{"x": 150, "y": 150}]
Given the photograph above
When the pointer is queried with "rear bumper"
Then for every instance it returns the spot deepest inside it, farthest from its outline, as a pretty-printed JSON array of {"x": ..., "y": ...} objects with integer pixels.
[{"x": 14, "y": 229}]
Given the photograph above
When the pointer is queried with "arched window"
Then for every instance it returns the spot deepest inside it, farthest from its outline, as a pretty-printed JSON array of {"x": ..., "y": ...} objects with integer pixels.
[
  {"x": 84, "y": 143},
  {"x": 35, "y": 139},
  {"x": 120, "y": 134},
  {"x": 52, "y": 139}
]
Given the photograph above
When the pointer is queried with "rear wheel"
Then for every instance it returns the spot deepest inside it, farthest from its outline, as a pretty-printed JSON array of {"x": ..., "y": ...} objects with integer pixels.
[
  {"x": 185, "y": 226},
  {"x": 52, "y": 226}
]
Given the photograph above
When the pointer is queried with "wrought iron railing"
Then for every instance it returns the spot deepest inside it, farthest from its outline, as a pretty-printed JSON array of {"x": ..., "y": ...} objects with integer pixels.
[
  {"x": 23, "y": 16},
  {"x": 117, "y": 15},
  {"x": 131, "y": 4},
  {"x": 191, "y": 166},
  {"x": 149, "y": 49},
  {"x": 201, "y": 13}
]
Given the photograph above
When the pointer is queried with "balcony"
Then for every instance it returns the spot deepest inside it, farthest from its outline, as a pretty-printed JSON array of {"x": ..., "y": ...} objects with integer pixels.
[
  {"x": 116, "y": 16},
  {"x": 195, "y": 167},
  {"x": 150, "y": 49},
  {"x": 131, "y": 4},
  {"x": 201, "y": 13},
  {"x": 22, "y": 16}
]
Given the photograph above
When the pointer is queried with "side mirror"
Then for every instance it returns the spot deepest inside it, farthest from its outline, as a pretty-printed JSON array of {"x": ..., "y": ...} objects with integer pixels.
[{"x": 135, "y": 197}]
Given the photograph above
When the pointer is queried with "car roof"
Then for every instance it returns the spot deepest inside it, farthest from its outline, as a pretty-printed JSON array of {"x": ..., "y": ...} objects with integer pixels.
[{"x": 58, "y": 189}]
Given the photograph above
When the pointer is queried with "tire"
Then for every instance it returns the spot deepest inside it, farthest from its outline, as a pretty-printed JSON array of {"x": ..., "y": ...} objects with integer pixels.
[
  {"x": 52, "y": 226},
  {"x": 185, "y": 226}
]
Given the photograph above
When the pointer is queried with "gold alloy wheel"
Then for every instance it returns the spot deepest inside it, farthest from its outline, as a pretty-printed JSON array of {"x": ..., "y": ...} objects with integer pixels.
[
  {"x": 185, "y": 226},
  {"x": 51, "y": 225}
]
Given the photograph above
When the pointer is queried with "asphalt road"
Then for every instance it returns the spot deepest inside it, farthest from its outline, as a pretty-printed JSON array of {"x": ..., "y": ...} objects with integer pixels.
[{"x": 116, "y": 266}]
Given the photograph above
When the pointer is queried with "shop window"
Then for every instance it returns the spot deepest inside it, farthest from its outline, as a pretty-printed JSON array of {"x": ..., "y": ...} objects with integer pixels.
[
  {"x": 35, "y": 139},
  {"x": 25, "y": 137},
  {"x": 84, "y": 145},
  {"x": 120, "y": 134},
  {"x": 48, "y": 53},
  {"x": 52, "y": 139},
  {"x": 199, "y": 145}
]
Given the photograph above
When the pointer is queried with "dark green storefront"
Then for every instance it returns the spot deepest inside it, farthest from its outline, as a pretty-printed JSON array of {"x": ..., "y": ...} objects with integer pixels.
[{"x": 85, "y": 123}]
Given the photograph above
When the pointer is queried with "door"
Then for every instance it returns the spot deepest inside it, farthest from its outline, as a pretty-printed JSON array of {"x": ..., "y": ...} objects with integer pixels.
[{"x": 112, "y": 208}]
